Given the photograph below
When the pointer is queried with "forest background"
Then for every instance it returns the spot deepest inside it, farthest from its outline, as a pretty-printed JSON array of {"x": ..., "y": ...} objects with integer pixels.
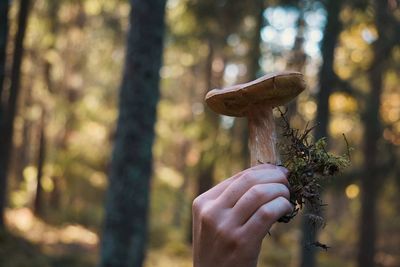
[{"x": 61, "y": 64}]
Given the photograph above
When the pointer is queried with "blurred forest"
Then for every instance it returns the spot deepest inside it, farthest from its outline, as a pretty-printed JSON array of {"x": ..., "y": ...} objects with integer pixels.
[{"x": 61, "y": 67}]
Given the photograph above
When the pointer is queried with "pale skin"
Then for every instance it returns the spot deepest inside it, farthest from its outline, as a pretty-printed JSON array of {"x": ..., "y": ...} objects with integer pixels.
[{"x": 231, "y": 220}]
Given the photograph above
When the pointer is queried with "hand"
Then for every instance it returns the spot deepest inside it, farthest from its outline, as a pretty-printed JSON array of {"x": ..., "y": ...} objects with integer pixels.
[{"x": 232, "y": 218}]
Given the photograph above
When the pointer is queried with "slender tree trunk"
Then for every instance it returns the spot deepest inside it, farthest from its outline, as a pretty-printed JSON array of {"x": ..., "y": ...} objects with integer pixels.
[
  {"x": 206, "y": 165},
  {"x": 4, "y": 7},
  {"x": 125, "y": 225},
  {"x": 372, "y": 179},
  {"x": 22, "y": 153},
  {"x": 326, "y": 74},
  {"x": 38, "y": 204},
  {"x": 297, "y": 59},
  {"x": 180, "y": 197},
  {"x": 369, "y": 183},
  {"x": 7, "y": 123},
  {"x": 254, "y": 55},
  {"x": 253, "y": 72},
  {"x": 205, "y": 178},
  {"x": 326, "y": 79}
]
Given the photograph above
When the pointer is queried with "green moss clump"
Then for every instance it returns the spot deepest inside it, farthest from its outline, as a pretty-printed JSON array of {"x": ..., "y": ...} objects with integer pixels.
[{"x": 310, "y": 164}]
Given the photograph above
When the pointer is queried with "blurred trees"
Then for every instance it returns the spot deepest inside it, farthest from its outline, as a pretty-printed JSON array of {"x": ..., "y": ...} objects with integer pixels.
[
  {"x": 38, "y": 205},
  {"x": 348, "y": 52},
  {"x": 125, "y": 226},
  {"x": 326, "y": 83},
  {"x": 7, "y": 123},
  {"x": 217, "y": 25},
  {"x": 388, "y": 31}
]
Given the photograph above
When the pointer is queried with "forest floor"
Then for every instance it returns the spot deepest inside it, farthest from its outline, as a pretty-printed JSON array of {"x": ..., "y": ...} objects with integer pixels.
[{"x": 34, "y": 243}]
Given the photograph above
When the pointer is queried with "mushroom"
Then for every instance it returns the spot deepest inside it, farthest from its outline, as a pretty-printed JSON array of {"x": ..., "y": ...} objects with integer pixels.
[{"x": 255, "y": 100}]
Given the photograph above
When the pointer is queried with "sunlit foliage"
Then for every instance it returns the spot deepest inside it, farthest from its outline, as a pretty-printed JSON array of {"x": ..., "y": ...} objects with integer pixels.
[{"x": 71, "y": 72}]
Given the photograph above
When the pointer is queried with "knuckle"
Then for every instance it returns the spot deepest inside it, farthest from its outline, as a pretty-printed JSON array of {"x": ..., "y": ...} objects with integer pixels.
[
  {"x": 222, "y": 232},
  {"x": 197, "y": 204},
  {"x": 257, "y": 192},
  {"x": 246, "y": 177},
  {"x": 267, "y": 214},
  {"x": 207, "y": 218}
]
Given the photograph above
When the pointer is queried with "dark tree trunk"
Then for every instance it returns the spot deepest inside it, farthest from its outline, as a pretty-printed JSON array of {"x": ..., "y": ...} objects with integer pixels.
[
  {"x": 326, "y": 79},
  {"x": 388, "y": 32},
  {"x": 180, "y": 202},
  {"x": 326, "y": 74},
  {"x": 254, "y": 55},
  {"x": 22, "y": 155},
  {"x": 205, "y": 177},
  {"x": 38, "y": 204},
  {"x": 369, "y": 184},
  {"x": 206, "y": 165},
  {"x": 4, "y": 7},
  {"x": 253, "y": 72},
  {"x": 125, "y": 225},
  {"x": 7, "y": 123}
]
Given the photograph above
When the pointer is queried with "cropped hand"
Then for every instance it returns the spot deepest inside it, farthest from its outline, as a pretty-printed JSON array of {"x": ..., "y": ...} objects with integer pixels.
[{"x": 232, "y": 218}]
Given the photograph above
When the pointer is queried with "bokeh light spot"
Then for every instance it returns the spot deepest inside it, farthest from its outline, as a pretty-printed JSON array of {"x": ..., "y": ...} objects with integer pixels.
[{"x": 352, "y": 191}]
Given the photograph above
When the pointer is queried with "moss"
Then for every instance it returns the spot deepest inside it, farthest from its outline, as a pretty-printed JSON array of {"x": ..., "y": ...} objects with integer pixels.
[{"x": 310, "y": 165}]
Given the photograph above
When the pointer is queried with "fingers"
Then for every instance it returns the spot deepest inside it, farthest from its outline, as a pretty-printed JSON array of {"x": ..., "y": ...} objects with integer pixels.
[
  {"x": 231, "y": 219},
  {"x": 216, "y": 191},
  {"x": 256, "y": 197},
  {"x": 240, "y": 185},
  {"x": 261, "y": 221}
]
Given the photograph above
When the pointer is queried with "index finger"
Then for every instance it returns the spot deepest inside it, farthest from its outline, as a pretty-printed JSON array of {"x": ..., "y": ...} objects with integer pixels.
[
  {"x": 237, "y": 188},
  {"x": 217, "y": 190}
]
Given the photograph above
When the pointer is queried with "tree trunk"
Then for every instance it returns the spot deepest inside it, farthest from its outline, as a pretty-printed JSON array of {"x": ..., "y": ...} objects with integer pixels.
[
  {"x": 180, "y": 197},
  {"x": 254, "y": 55},
  {"x": 253, "y": 72},
  {"x": 125, "y": 225},
  {"x": 7, "y": 124},
  {"x": 205, "y": 178},
  {"x": 4, "y": 7},
  {"x": 326, "y": 78},
  {"x": 382, "y": 47},
  {"x": 205, "y": 170},
  {"x": 22, "y": 156},
  {"x": 38, "y": 204}
]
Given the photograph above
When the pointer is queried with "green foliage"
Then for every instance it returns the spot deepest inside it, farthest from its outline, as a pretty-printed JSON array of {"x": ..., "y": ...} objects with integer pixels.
[{"x": 72, "y": 70}]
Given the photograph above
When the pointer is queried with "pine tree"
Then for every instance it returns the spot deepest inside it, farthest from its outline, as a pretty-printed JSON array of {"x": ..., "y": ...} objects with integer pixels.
[{"x": 125, "y": 226}]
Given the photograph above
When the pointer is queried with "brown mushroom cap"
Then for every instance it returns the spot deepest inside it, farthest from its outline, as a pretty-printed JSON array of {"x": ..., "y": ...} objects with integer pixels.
[{"x": 273, "y": 89}]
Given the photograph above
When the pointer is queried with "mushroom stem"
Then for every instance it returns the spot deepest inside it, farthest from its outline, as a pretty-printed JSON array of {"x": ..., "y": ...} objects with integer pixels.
[{"x": 262, "y": 139}]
